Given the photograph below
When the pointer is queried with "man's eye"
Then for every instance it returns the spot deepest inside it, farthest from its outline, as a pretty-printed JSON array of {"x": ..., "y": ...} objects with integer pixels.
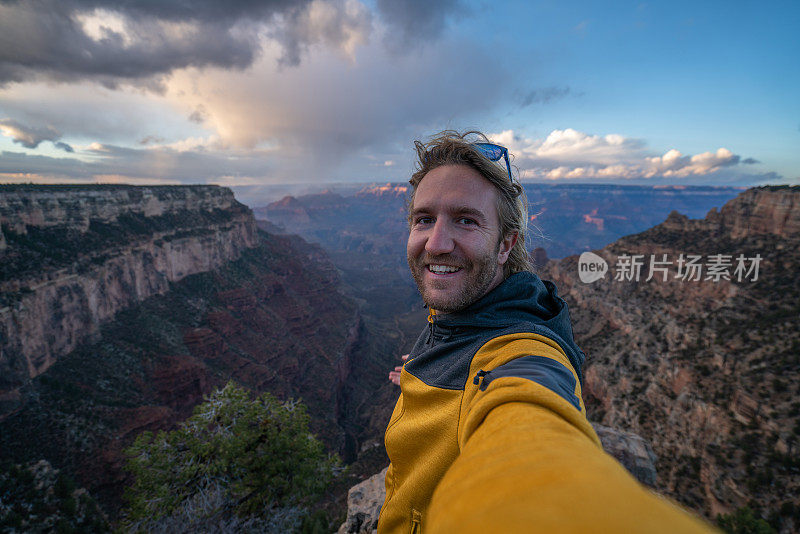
[
  {"x": 466, "y": 220},
  {"x": 424, "y": 220}
]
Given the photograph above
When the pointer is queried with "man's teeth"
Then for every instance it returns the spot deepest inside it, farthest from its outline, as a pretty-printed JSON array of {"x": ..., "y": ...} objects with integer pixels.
[{"x": 442, "y": 269}]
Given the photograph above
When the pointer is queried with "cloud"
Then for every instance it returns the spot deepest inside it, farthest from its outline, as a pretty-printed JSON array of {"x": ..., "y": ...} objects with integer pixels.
[
  {"x": 543, "y": 95},
  {"x": 750, "y": 161},
  {"x": 161, "y": 164},
  {"x": 31, "y": 137},
  {"x": 580, "y": 28},
  {"x": 64, "y": 146},
  {"x": 573, "y": 155},
  {"x": 328, "y": 112},
  {"x": 198, "y": 115},
  {"x": 113, "y": 42},
  {"x": 317, "y": 90},
  {"x": 673, "y": 163},
  {"x": 321, "y": 120},
  {"x": 151, "y": 139},
  {"x": 27, "y": 136},
  {"x": 340, "y": 26},
  {"x": 141, "y": 43},
  {"x": 85, "y": 112},
  {"x": 411, "y": 23},
  {"x": 573, "y": 148}
]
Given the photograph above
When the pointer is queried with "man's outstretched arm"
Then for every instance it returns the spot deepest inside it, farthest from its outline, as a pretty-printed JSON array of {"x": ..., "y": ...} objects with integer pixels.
[{"x": 530, "y": 461}]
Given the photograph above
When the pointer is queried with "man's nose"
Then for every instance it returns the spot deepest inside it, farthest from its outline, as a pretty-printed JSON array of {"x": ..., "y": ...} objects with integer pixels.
[{"x": 440, "y": 240}]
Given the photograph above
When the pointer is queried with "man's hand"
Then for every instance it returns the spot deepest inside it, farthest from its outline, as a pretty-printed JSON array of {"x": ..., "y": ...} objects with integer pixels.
[{"x": 394, "y": 376}]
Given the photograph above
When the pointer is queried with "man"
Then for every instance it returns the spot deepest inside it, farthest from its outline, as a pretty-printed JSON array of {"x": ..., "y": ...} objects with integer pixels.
[{"x": 490, "y": 432}]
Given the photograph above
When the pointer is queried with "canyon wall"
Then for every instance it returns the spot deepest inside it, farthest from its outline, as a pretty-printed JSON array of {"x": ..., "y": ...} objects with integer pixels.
[
  {"x": 707, "y": 368},
  {"x": 124, "y": 306},
  {"x": 766, "y": 210},
  {"x": 76, "y": 206},
  {"x": 74, "y": 256}
]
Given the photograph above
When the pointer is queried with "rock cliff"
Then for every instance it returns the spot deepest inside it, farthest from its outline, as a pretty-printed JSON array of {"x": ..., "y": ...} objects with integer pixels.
[
  {"x": 705, "y": 367},
  {"x": 272, "y": 320},
  {"x": 73, "y": 256},
  {"x": 769, "y": 210},
  {"x": 120, "y": 318}
]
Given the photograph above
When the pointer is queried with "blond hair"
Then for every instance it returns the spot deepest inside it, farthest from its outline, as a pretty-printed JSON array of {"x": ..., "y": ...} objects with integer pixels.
[{"x": 453, "y": 148}]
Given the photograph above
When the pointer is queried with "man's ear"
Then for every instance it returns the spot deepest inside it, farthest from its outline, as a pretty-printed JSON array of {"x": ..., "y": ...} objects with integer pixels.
[{"x": 506, "y": 244}]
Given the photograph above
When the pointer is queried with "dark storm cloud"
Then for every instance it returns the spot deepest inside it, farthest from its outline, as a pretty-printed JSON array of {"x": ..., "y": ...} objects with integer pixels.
[
  {"x": 46, "y": 166},
  {"x": 332, "y": 27},
  {"x": 46, "y": 38},
  {"x": 411, "y": 22},
  {"x": 64, "y": 146},
  {"x": 180, "y": 10},
  {"x": 27, "y": 136},
  {"x": 134, "y": 164},
  {"x": 49, "y": 38}
]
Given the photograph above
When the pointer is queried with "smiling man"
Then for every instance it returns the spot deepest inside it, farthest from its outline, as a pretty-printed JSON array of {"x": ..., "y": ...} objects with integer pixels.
[
  {"x": 490, "y": 431},
  {"x": 454, "y": 251}
]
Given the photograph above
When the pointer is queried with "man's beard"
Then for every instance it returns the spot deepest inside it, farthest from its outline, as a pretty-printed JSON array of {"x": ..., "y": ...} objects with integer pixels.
[{"x": 481, "y": 273}]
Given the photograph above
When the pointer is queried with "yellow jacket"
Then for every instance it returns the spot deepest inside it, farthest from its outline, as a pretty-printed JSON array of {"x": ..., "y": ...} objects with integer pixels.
[{"x": 490, "y": 431}]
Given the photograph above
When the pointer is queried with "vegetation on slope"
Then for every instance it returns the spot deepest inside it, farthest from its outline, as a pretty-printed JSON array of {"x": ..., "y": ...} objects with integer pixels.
[
  {"x": 238, "y": 464},
  {"x": 141, "y": 375},
  {"x": 38, "y": 498}
]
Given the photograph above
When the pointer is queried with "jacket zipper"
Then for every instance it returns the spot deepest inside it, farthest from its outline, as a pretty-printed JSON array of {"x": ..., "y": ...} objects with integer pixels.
[
  {"x": 477, "y": 379},
  {"x": 416, "y": 522}
]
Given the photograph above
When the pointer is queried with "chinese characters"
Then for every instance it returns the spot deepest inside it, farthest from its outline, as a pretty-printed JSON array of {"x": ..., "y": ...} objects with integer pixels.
[{"x": 688, "y": 267}]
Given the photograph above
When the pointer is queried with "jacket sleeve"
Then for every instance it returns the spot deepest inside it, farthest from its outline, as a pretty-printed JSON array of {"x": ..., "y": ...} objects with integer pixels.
[{"x": 531, "y": 462}]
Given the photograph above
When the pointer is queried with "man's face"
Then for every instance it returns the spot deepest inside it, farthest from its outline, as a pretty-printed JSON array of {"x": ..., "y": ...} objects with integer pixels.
[{"x": 454, "y": 248}]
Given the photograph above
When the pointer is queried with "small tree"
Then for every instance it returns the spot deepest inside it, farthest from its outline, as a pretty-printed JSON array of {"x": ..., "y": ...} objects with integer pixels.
[
  {"x": 238, "y": 464},
  {"x": 743, "y": 521}
]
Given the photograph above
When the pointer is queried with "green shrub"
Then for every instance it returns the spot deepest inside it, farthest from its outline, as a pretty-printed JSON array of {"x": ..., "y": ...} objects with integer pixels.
[
  {"x": 743, "y": 521},
  {"x": 38, "y": 498},
  {"x": 238, "y": 464}
]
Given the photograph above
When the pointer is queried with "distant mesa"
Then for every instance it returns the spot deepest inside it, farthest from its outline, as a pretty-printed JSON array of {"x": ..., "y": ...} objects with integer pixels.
[
  {"x": 565, "y": 220},
  {"x": 396, "y": 190}
]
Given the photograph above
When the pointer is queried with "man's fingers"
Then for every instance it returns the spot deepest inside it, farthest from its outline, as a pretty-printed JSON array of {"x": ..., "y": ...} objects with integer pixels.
[{"x": 394, "y": 376}]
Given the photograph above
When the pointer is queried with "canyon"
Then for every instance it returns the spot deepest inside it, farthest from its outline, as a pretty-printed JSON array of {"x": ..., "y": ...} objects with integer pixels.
[
  {"x": 563, "y": 219},
  {"x": 121, "y": 318},
  {"x": 121, "y": 307}
]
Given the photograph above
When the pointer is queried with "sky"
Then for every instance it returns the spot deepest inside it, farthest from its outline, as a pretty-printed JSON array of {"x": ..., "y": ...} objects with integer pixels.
[{"x": 250, "y": 92}]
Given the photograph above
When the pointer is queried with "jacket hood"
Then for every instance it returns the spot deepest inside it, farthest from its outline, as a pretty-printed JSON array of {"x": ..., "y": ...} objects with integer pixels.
[{"x": 522, "y": 298}]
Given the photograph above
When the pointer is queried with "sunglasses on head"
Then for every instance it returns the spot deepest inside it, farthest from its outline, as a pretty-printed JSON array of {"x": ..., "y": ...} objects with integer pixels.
[{"x": 494, "y": 152}]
